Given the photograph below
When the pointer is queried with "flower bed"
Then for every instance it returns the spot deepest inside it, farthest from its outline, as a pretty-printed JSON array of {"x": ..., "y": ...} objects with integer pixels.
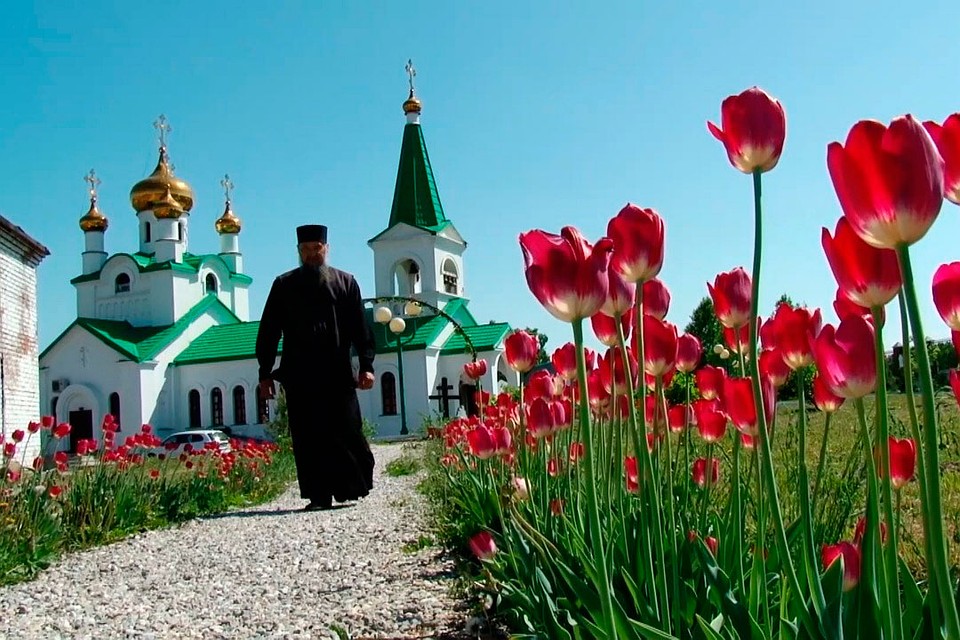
[{"x": 53, "y": 504}]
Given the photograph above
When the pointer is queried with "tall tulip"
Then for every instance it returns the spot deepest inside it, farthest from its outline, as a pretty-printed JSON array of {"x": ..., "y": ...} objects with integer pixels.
[
  {"x": 946, "y": 293},
  {"x": 903, "y": 461},
  {"x": 731, "y": 296},
  {"x": 738, "y": 404},
  {"x": 846, "y": 357},
  {"x": 773, "y": 367},
  {"x": 889, "y": 181},
  {"x": 851, "y": 562},
  {"x": 868, "y": 276},
  {"x": 710, "y": 381},
  {"x": 660, "y": 346},
  {"x": 688, "y": 352},
  {"x": 699, "y": 471},
  {"x": 638, "y": 243},
  {"x": 483, "y": 546},
  {"x": 522, "y": 350},
  {"x": 754, "y": 130},
  {"x": 656, "y": 298},
  {"x": 621, "y": 293},
  {"x": 475, "y": 369},
  {"x": 791, "y": 331},
  {"x": 825, "y": 399},
  {"x": 566, "y": 274},
  {"x": 947, "y": 139},
  {"x": 711, "y": 421},
  {"x": 605, "y": 327},
  {"x": 564, "y": 360}
]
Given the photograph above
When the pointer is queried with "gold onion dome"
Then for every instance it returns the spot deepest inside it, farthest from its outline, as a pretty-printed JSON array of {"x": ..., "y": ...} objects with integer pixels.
[
  {"x": 412, "y": 104},
  {"x": 153, "y": 190},
  {"x": 167, "y": 206},
  {"x": 228, "y": 222},
  {"x": 93, "y": 220}
]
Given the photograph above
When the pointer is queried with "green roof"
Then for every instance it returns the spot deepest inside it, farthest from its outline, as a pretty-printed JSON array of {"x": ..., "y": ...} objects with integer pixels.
[
  {"x": 143, "y": 343},
  {"x": 147, "y": 262},
  {"x": 416, "y": 201},
  {"x": 224, "y": 342},
  {"x": 485, "y": 337}
]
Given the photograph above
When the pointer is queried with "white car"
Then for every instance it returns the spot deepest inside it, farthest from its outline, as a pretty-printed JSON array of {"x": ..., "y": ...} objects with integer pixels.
[{"x": 198, "y": 439}]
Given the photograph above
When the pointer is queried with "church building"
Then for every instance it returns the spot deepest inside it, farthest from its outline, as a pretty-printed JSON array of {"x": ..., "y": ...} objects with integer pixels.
[{"x": 164, "y": 336}]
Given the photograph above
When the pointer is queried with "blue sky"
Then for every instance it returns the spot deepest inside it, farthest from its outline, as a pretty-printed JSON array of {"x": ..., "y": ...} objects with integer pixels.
[{"x": 534, "y": 116}]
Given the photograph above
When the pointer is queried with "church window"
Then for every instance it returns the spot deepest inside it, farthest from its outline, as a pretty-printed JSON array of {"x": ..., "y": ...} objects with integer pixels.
[
  {"x": 263, "y": 407},
  {"x": 53, "y": 406},
  {"x": 121, "y": 284},
  {"x": 115, "y": 407},
  {"x": 388, "y": 394},
  {"x": 239, "y": 405},
  {"x": 450, "y": 279},
  {"x": 146, "y": 232},
  {"x": 180, "y": 232},
  {"x": 216, "y": 407},
  {"x": 211, "y": 283},
  {"x": 193, "y": 400}
]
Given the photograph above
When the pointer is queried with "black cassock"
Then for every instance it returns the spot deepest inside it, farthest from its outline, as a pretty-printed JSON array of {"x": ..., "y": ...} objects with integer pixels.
[{"x": 320, "y": 319}]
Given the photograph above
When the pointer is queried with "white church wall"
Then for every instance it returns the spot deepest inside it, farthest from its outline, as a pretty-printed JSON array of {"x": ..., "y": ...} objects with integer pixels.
[
  {"x": 136, "y": 304},
  {"x": 185, "y": 291},
  {"x": 226, "y": 376},
  {"x": 241, "y": 301}
]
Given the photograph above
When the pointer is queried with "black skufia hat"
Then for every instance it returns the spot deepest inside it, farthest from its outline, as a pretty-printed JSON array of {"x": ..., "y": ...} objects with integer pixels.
[{"x": 312, "y": 233}]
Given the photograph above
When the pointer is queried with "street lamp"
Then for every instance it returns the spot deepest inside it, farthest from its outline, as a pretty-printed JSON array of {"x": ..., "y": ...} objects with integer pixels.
[{"x": 397, "y": 326}]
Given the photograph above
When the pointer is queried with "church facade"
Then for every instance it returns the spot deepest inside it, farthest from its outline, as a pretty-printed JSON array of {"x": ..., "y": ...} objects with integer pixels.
[{"x": 164, "y": 336}]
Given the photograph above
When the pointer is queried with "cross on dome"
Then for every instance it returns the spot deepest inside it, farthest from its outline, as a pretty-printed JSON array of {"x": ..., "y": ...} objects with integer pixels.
[
  {"x": 163, "y": 128},
  {"x": 227, "y": 185},
  {"x": 92, "y": 179}
]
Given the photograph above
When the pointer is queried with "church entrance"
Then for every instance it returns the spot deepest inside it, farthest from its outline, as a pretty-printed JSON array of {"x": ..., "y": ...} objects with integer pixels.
[
  {"x": 81, "y": 427},
  {"x": 468, "y": 399}
]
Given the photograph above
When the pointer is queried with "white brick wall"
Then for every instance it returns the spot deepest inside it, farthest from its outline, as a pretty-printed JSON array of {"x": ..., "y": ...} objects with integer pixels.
[{"x": 20, "y": 401}]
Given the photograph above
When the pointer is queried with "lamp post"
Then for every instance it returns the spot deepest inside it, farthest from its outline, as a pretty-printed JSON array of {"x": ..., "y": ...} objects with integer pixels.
[{"x": 397, "y": 326}]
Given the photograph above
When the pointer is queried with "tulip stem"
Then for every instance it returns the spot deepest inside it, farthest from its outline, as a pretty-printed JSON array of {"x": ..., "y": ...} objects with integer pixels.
[
  {"x": 803, "y": 490},
  {"x": 821, "y": 462},
  {"x": 883, "y": 441},
  {"x": 937, "y": 552},
  {"x": 596, "y": 538},
  {"x": 766, "y": 459}
]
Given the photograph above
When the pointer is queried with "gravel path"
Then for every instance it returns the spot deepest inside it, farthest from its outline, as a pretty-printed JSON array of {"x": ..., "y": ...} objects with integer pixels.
[{"x": 267, "y": 572}]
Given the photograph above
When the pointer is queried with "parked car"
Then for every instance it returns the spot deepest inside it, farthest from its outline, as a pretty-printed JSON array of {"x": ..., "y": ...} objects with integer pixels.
[{"x": 198, "y": 439}]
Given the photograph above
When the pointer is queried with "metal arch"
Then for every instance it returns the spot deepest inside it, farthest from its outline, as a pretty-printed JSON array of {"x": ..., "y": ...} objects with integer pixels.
[{"x": 456, "y": 325}]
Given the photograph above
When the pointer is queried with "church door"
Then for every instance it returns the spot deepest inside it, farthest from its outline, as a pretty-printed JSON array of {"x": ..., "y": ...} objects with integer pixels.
[
  {"x": 81, "y": 427},
  {"x": 468, "y": 399}
]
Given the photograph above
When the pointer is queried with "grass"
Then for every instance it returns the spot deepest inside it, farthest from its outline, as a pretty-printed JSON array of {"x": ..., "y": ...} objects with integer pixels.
[{"x": 405, "y": 465}]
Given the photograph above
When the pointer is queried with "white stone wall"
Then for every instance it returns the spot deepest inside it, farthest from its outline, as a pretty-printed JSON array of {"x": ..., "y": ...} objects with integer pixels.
[
  {"x": 404, "y": 242},
  {"x": 18, "y": 340}
]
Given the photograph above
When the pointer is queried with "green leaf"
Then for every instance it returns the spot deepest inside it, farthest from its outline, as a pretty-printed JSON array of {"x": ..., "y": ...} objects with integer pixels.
[
  {"x": 708, "y": 630},
  {"x": 832, "y": 583},
  {"x": 640, "y": 603},
  {"x": 912, "y": 601},
  {"x": 739, "y": 617}
]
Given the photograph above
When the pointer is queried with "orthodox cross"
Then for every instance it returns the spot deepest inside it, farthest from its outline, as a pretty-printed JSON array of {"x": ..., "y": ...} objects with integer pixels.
[
  {"x": 164, "y": 128},
  {"x": 92, "y": 179},
  {"x": 227, "y": 185},
  {"x": 443, "y": 395},
  {"x": 411, "y": 73}
]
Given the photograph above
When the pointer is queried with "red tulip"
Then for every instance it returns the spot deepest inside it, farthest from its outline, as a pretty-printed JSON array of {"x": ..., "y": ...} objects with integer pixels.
[
  {"x": 483, "y": 546},
  {"x": 33, "y": 427},
  {"x": 605, "y": 327},
  {"x": 47, "y": 422},
  {"x": 61, "y": 430},
  {"x": 638, "y": 243},
  {"x": 731, "y": 294},
  {"x": 748, "y": 442},
  {"x": 843, "y": 306},
  {"x": 825, "y": 399},
  {"x": 791, "y": 331},
  {"x": 889, "y": 181},
  {"x": 564, "y": 361},
  {"x": 700, "y": 471},
  {"x": 754, "y": 129},
  {"x": 710, "y": 381},
  {"x": 903, "y": 461},
  {"x": 9, "y": 449},
  {"x": 739, "y": 405},
  {"x": 596, "y": 393},
  {"x": 946, "y": 293},
  {"x": 54, "y": 491},
  {"x": 659, "y": 346},
  {"x": 738, "y": 339},
  {"x": 678, "y": 417},
  {"x": 611, "y": 368},
  {"x": 867, "y": 275},
  {"x": 475, "y": 369},
  {"x": 17, "y": 435},
  {"x": 621, "y": 294},
  {"x": 633, "y": 474},
  {"x": 954, "y": 376},
  {"x": 543, "y": 385},
  {"x": 947, "y": 139},
  {"x": 688, "y": 352},
  {"x": 545, "y": 417},
  {"x": 565, "y": 273},
  {"x": 656, "y": 298},
  {"x": 711, "y": 421},
  {"x": 861, "y": 529},
  {"x": 482, "y": 442},
  {"x": 712, "y": 544},
  {"x": 851, "y": 561},
  {"x": 773, "y": 367},
  {"x": 846, "y": 357},
  {"x": 522, "y": 350}
]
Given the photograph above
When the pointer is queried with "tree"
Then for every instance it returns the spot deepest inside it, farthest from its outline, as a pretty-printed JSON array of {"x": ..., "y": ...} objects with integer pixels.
[
  {"x": 542, "y": 338},
  {"x": 705, "y": 326}
]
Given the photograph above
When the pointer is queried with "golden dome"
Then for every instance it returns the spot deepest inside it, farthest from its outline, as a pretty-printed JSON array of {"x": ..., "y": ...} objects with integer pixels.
[
  {"x": 93, "y": 220},
  {"x": 412, "y": 104},
  {"x": 168, "y": 206},
  {"x": 228, "y": 222},
  {"x": 153, "y": 189}
]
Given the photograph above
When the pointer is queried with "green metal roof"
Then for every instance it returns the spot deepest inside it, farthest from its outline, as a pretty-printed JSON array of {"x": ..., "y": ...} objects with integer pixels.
[
  {"x": 224, "y": 342},
  {"x": 143, "y": 343},
  {"x": 485, "y": 337},
  {"x": 147, "y": 262},
  {"x": 416, "y": 200}
]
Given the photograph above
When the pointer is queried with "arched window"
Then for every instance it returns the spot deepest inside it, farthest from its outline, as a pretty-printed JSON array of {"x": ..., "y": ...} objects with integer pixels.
[
  {"x": 115, "y": 407},
  {"x": 121, "y": 284},
  {"x": 211, "y": 283},
  {"x": 146, "y": 232},
  {"x": 388, "y": 394},
  {"x": 263, "y": 407},
  {"x": 239, "y": 405},
  {"x": 216, "y": 407},
  {"x": 450, "y": 277},
  {"x": 193, "y": 400},
  {"x": 180, "y": 232}
]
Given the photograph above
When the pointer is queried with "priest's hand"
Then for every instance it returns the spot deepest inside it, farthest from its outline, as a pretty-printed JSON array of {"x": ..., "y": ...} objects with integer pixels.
[
  {"x": 267, "y": 389},
  {"x": 365, "y": 380}
]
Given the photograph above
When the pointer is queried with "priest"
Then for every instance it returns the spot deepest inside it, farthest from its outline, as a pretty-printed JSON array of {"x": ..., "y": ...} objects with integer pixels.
[{"x": 317, "y": 310}]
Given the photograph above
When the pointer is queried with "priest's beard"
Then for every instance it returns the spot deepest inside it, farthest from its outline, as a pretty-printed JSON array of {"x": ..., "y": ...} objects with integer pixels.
[{"x": 322, "y": 270}]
